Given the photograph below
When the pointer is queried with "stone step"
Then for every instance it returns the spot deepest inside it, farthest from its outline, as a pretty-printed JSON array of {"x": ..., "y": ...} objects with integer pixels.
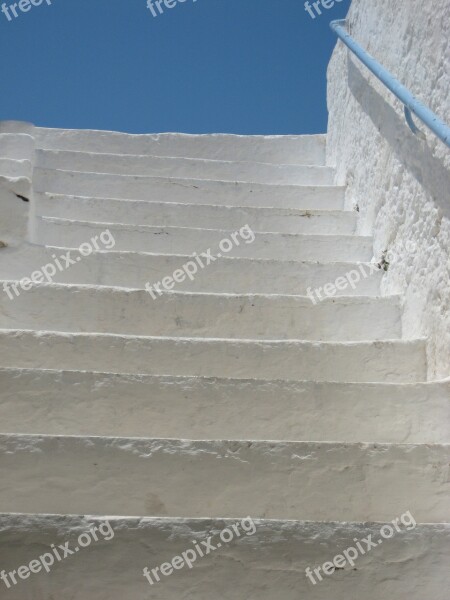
[
  {"x": 10, "y": 188},
  {"x": 391, "y": 361},
  {"x": 171, "y": 214},
  {"x": 179, "y": 314},
  {"x": 16, "y": 146},
  {"x": 232, "y": 275},
  {"x": 86, "y": 403},
  {"x": 192, "y": 191},
  {"x": 308, "y": 481},
  {"x": 185, "y": 168},
  {"x": 277, "y": 149},
  {"x": 13, "y": 168},
  {"x": 257, "y": 556},
  {"x": 245, "y": 243}
]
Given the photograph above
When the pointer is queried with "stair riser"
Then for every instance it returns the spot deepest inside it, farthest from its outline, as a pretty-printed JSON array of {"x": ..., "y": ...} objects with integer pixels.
[
  {"x": 189, "y": 241},
  {"x": 150, "y": 166},
  {"x": 252, "y": 317},
  {"x": 239, "y": 276},
  {"x": 394, "y": 362},
  {"x": 56, "y": 403},
  {"x": 299, "y": 150},
  {"x": 192, "y": 191},
  {"x": 304, "y": 481},
  {"x": 256, "y": 562},
  {"x": 187, "y": 215}
]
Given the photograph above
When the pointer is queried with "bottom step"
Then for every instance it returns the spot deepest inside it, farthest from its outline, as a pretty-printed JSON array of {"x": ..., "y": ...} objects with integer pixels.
[{"x": 267, "y": 560}]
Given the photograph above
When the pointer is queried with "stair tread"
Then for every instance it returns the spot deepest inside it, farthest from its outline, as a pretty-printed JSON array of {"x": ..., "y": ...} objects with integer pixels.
[
  {"x": 273, "y": 148},
  {"x": 188, "y": 169},
  {"x": 217, "y": 207},
  {"x": 170, "y": 214},
  {"x": 318, "y": 186},
  {"x": 256, "y": 562},
  {"x": 185, "y": 314},
  {"x": 44, "y": 154},
  {"x": 104, "y": 475},
  {"x": 109, "y": 404},
  {"x": 241, "y": 275},
  {"x": 138, "y": 227},
  {"x": 385, "y": 360},
  {"x": 189, "y": 240}
]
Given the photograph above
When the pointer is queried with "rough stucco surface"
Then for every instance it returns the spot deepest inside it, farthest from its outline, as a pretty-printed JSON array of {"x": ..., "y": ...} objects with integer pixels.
[
  {"x": 269, "y": 564},
  {"x": 400, "y": 183}
]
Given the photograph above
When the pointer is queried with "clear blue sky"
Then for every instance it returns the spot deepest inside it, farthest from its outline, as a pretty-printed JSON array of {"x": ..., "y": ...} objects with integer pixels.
[{"x": 233, "y": 66}]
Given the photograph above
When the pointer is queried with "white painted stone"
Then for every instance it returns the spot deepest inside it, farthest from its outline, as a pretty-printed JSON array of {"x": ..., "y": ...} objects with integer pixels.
[
  {"x": 168, "y": 214},
  {"x": 400, "y": 183},
  {"x": 273, "y": 560},
  {"x": 290, "y": 149},
  {"x": 382, "y": 361},
  {"x": 114, "y": 403},
  {"x": 12, "y": 168},
  {"x": 184, "y": 168},
  {"x": 20, "y": 185},
  {"x": 185, "y": 240},
  {"x": 16, "y": 146},
  {"x": 272, "y": 480},
  {"x": 229, "y": 275},
  {"x": 105, "y": 404},
  {"x": 105, "y": 310},
  {"x": 14, "y": 212},
  {"x": 16, "y": 160},
  {"x": 17, "y": 127},
  {"x": 172, "y": 189}
]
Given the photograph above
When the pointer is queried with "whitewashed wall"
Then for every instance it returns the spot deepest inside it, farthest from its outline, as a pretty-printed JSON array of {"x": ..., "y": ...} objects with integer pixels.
[{"x": 401, "y": 184}]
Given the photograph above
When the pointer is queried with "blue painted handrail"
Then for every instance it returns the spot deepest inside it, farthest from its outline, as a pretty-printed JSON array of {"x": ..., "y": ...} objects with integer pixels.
[{"x": 412, "y": 105}]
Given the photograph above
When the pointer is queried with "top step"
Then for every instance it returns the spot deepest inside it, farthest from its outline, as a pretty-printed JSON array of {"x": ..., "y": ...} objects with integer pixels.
[{"x": 283, "y": 149}]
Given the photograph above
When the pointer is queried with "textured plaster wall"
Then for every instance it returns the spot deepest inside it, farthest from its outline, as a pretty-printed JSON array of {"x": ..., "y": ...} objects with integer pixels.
[{"x": 400, "y": 183}]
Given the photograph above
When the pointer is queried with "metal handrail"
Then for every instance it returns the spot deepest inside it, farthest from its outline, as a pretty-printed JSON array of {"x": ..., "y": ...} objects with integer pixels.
[{"x": 411, "y": 104}]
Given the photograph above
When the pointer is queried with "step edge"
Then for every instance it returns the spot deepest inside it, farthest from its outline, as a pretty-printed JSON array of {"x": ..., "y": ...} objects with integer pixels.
[
  {"x": 214, "y": 161},
  {"x": 125, "y": 226},
  {"x": 183, "y": 180},
  {"x": 393, "y": 299},
  {"x": 419, "y": 343},
  {"x": 445, "y": 383},
  {"x": 183, "y": 443}
]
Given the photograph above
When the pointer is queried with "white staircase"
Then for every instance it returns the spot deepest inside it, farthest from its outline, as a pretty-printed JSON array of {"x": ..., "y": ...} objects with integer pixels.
[{"x": 232, "y": 395}]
